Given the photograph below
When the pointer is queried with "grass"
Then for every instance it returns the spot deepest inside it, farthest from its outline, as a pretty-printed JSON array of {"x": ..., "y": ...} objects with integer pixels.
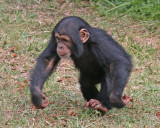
[
  {"x": 137, "y": 9},
  {"x": 25, "y": 29}
]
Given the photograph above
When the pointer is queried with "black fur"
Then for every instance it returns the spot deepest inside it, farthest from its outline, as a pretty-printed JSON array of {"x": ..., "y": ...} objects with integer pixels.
[{"x": 100, "y": 60}]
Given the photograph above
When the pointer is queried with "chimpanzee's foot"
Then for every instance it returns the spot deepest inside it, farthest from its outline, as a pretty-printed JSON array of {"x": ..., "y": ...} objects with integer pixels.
[{"x": 96, "y": 104}]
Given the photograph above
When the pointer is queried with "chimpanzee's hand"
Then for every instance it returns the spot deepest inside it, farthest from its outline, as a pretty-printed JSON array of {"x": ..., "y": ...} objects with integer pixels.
[
  {"x": 44, "y": 104},
  {"x": 125, "y": 99}
]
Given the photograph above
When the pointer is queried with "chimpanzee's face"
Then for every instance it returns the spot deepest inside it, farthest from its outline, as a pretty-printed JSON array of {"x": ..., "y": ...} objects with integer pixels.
[{"x": 64, "y": 44}]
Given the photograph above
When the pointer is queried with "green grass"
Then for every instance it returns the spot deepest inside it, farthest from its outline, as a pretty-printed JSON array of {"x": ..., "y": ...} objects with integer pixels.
[
  {"x": 138, "y": 9},
  {"x": 25, "y": 28}
]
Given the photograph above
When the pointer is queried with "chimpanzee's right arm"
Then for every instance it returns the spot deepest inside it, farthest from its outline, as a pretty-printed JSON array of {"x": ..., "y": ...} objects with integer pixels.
[{"x": 46, "y": 62}]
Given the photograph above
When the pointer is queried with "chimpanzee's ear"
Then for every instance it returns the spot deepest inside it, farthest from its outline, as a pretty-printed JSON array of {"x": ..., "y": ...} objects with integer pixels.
[{"x": 84, "y": 35}]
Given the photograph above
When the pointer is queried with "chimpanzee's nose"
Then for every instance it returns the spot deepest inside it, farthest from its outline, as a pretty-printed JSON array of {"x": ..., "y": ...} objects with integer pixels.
[{"x": 60, "y": 46}]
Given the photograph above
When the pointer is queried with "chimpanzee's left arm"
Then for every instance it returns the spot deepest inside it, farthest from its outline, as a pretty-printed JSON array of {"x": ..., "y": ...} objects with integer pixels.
[
  {"x": 117, "y": 71},
  {"x": 117, "y": 65}
]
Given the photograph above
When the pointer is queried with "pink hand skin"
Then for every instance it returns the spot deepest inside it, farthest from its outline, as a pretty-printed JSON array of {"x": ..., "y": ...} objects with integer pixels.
[
  {"x": 96, "y": 104},
  {"x": 44, "y": 104}
]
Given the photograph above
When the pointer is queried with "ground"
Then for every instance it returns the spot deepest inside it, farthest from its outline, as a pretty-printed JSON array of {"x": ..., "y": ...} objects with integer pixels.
[{"x": 25, "y": 29}]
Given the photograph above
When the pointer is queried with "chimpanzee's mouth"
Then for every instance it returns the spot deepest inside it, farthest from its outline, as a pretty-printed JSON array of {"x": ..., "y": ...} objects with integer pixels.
[{"x": 64, "y": 56}]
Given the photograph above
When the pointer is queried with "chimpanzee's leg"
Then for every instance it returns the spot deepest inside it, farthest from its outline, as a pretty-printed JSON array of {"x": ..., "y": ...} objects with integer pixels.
[
  {"x": 103, "y": 96},
  {"x": 88, "y": 88}
]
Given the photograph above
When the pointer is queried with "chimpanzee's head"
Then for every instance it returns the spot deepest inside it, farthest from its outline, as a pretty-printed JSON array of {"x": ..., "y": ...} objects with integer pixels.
[{"x": 70, "y": 34}]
